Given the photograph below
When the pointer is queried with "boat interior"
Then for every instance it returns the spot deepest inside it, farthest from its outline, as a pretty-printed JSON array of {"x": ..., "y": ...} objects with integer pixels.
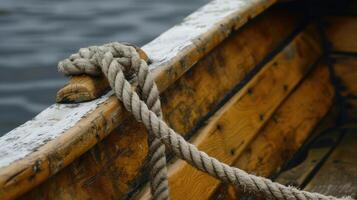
[{"x": 270, "y": 88}]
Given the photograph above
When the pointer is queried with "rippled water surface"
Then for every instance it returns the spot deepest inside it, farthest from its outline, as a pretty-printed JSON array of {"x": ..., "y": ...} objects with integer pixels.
[{"x": 36, "y": 34}]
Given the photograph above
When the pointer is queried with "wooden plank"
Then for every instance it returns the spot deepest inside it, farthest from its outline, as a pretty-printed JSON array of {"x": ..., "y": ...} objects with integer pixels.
[
  {"x": 286, "y": 129},
  {"x": 113, "y": 167},
  {"x": 226, "y": 66},
  {"x": 321, "y": 148},
  {"x": 338, "y": 176},
  {"x": 233, "y": 127},
  {"x": 346, "y": 70},
  {"x": 341, "y": 32}
]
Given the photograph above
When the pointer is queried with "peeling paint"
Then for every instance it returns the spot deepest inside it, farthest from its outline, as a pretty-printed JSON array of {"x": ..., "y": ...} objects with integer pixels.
[
  {"x": 46, "y": 126},
  {"x": 170, "y": 43}
]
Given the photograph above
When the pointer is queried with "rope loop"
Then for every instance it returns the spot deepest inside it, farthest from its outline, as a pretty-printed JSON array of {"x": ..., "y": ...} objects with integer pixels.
[{"x": 119, "y": 62}]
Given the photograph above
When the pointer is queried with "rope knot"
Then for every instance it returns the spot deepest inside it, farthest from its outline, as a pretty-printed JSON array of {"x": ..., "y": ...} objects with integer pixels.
[
  {"x": 121, "y": 63},
  {"x": 89, "y": 60}
]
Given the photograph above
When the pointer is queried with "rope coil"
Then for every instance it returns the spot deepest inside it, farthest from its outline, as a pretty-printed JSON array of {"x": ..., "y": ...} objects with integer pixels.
[{"x": 121, "y": 63}]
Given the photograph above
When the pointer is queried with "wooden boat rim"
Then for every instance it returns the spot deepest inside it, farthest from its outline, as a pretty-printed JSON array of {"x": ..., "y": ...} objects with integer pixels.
[{"x": 191, "y": 40}]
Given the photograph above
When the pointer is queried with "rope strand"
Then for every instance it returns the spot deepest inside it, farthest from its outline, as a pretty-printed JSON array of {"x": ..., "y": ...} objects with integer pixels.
[
  {"x": 148, "y": 111},
  {"x": 122, "y": 58}
]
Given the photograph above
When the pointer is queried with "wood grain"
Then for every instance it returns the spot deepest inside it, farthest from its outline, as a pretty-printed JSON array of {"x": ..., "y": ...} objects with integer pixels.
[
  {"x": 285, "y": 131},
  {"x": 173, "y": 55},
  {"x": 321, "y": 148},
  {"x": 338, "y": 176},
  {"x": 235, "y": 125},
  {"x": 114, "y": 167}
]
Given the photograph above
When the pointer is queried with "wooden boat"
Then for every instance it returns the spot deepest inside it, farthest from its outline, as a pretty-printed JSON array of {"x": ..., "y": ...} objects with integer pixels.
[{"x": 249, "y": 82}]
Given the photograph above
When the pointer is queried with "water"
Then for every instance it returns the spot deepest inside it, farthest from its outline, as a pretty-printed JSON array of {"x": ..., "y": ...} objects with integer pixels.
[{"x": 36, "y": 34}]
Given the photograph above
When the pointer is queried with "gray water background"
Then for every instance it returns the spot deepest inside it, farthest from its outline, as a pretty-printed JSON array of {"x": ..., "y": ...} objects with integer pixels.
[{"x": 36, "y": 34}]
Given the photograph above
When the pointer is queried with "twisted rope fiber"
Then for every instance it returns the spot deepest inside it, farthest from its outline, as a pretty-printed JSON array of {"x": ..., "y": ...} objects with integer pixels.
[
  {"x": 105, "y": 58},
  {"x": 85, "y": 62}
]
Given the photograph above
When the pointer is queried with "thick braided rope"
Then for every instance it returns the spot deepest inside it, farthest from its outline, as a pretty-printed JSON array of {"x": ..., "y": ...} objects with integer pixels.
[
  {"x": 186, "y": 151},
  {"x": 85, "y": 62}
]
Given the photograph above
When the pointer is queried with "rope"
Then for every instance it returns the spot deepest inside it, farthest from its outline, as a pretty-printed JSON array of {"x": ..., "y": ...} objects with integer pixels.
[
  {"x": 84, "y": 62},
  {"x": 109, "y": 59}
]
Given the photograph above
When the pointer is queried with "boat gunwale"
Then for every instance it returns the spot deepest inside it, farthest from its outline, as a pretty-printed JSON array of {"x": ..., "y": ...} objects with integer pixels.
[{"x": 70, "y": 124}]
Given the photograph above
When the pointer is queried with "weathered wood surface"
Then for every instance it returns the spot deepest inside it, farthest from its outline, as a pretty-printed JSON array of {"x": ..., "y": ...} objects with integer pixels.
[
  {"x": 316, "y": 155},
  {"x": 325, "y": 172},
  {"x": 341, "y": 32},
  {"x": 113, "y": 166},
  {"x": 83, "y": 88},
  {"x": 225, "y": 68},
  {"x": 338, "y": 175},
  {"x": 60, "y": 134},
  {"x": 230, "y": 130},
  {"x": 289, "y": 128},
  {"x": 285, "y": 131}
]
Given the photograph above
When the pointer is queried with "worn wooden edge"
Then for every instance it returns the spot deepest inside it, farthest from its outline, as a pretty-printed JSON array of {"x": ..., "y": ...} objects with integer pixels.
[
  {"x": 82, "y": 88},
  {"x": 225, "y": 137},
  {"x": 284, "y": 133},
  {"x": 35, "y": 145},
  {"x": 198, "y": 34},
  {"x": 341, "y": 32}
]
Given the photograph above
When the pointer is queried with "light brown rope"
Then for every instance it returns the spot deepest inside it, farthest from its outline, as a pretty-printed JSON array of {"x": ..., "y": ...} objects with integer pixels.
[{"x": 109, "y": 63}]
